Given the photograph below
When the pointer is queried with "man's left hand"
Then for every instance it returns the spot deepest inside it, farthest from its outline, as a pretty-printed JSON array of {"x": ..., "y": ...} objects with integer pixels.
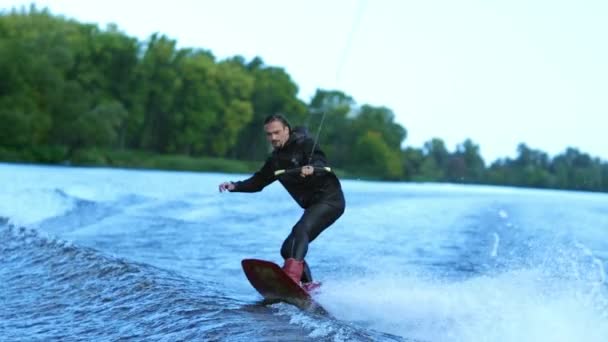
[{"x": 307, "y": 171}]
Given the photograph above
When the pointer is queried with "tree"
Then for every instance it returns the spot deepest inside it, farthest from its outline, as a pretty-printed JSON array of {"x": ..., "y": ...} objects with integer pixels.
[
  {"x": 381, "y": 120},
  {"x": 413, "y": 158},
  {"x": 97, "y": 127},
  {"x": 435, "y": 162},
  {"x": 114, "y": 58},
  {"x": 40, "y": 97},
  {"x": 235, "y": 111},
  {"x": 336, "y": 133},
  {"x": 576, "y": 170},
  {"x": 374, "y": 157},
  {"x": 465, "y": 165},
  {"x": 157, "y": 79},
  {"x": 23, "y": 121},
  {"x": 196, "y": 101}
]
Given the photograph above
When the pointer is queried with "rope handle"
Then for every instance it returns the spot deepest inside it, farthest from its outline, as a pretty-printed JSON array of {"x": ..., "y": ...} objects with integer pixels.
[{"x": 298, "y": 170}]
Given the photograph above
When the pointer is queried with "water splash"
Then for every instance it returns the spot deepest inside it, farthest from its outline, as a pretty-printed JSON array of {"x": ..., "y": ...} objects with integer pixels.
[{"x": 519, "y": 305}]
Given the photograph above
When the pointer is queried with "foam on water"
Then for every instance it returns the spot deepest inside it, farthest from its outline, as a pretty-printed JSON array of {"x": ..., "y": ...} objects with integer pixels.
[
  {"x": 566, "y": 300},
  {"x": 547, "y": 288},
  {"x": 29, "y": 206}
]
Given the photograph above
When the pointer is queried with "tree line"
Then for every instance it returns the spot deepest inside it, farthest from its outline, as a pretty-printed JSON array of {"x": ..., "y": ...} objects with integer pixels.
[{"x": 67, "y": 86}]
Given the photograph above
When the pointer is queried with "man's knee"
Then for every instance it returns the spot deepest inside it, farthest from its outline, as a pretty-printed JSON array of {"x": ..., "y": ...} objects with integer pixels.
[{"x": 302, "y": 228}]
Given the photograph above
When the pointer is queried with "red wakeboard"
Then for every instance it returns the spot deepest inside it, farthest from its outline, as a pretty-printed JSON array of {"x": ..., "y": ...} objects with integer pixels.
[{"x": 274, "y": 284}]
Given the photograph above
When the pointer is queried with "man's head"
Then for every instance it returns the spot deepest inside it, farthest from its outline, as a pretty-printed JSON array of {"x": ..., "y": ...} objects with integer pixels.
[{"x": 277, "y": 130}]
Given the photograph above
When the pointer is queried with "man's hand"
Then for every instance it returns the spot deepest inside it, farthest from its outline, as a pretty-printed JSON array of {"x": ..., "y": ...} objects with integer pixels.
[
  {"x": 307, "y": 171},
  {"x": 226, "y": 186}
]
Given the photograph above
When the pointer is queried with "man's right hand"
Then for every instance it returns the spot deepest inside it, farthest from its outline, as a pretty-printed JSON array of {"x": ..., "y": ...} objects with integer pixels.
[{"x": 226, "y": 186}]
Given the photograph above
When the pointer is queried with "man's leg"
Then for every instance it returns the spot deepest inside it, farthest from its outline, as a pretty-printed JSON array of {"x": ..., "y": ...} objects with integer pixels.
[
  {"x": 306, "y": 274},
  {"x": 314, "y": 220}
]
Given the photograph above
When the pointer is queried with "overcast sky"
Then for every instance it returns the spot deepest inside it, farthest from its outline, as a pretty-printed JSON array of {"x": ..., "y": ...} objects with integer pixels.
[{"x": 498, "y": 72}]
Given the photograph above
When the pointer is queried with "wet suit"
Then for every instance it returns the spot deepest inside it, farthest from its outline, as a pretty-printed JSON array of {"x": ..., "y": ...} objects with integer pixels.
[{"x": 320, "y": 194}]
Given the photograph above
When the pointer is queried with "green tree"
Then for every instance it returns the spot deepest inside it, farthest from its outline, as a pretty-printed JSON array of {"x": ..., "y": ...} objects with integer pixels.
[
  {"x": 23, "y": 121},
  {"x": 435, "y": 161},
  {"x": 114, "y": 60},
  {"x": 98, "y": 82},
  {"x": 40, "y": 50},
  {"x": 375, "y": 158},
  {"x": 196, "y": 101},
  {"x": 157, "y": 80},
  {"x": 604, "y": 176},
  {"x": 413, "y": 158},
  {"x": 98, "y": 127},
  {"x": 336, "y": 131},
  {"x": 576, "y": 170},
  {"x": 530, "y": 168},
  {"x": 235, "y": 86},
  {"x": 466, "y": 165},
  {"x": 381, "y": 120}
]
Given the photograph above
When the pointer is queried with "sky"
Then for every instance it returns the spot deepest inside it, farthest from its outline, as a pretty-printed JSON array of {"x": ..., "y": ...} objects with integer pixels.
[{"x": 497, "y": 72}]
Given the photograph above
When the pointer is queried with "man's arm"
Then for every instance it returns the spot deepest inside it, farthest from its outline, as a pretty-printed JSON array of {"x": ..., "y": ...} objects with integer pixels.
[{"x": 255, "y": 183}]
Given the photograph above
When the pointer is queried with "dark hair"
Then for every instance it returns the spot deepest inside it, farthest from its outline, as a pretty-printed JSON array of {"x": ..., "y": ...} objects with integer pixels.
[{"x": 277, "y": 117}]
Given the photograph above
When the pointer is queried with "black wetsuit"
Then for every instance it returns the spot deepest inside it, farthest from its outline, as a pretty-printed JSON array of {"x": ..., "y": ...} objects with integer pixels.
[{"x": 320, "y": 195}]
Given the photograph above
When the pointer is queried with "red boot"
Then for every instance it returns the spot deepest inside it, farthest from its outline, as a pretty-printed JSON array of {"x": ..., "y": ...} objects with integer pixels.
[{"x": 294, "y": 269}]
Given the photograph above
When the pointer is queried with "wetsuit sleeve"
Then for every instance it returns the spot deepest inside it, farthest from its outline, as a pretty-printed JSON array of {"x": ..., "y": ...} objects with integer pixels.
[
  {"x": 258, "y": 181},
  {"x": 318, "y": 157}
]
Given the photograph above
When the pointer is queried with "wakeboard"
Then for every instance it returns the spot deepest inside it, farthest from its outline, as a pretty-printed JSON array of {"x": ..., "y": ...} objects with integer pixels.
[{"x": 274, "y": 284}]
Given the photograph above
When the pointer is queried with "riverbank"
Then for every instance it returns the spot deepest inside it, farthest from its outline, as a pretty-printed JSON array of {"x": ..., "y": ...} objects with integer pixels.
[{"x": 133, "y": 160}]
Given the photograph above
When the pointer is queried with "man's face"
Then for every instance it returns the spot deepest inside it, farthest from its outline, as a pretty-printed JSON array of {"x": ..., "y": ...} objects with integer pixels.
[{"x": 276, "y": 133}]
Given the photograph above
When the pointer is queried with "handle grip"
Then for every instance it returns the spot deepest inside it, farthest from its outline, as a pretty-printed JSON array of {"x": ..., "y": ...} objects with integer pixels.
[{"x": 298, "y": 170}]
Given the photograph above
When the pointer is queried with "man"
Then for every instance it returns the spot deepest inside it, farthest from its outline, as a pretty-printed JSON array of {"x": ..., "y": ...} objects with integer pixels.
[{"x": 318, "y": 192}]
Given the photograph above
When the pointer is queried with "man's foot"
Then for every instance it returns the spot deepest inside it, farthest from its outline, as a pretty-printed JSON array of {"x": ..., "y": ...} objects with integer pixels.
[{"x": 294, "y": 269}]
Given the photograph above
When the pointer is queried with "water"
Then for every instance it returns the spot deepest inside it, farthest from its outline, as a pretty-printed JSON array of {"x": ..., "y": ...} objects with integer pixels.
[{"x": 104, "y": 254}]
